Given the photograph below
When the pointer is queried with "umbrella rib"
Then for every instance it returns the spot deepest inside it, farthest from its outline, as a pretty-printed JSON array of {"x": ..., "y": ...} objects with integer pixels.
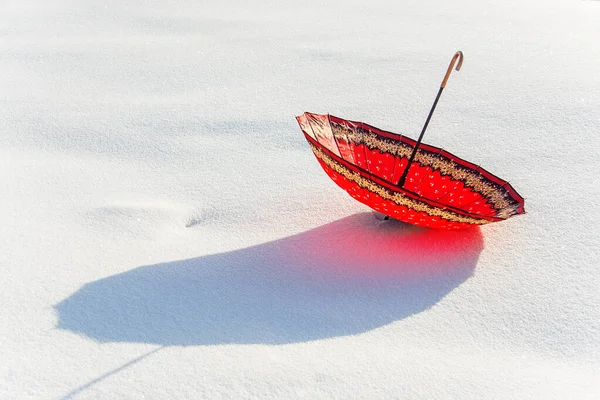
[
  {"x": 396, "y": 161},
  {"x": 368, "y": 199},
  {"x": 333, "y": 135}
]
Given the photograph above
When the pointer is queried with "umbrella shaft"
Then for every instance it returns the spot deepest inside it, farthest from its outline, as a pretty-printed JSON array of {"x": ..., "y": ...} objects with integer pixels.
[{"x": 414, "y": 153}]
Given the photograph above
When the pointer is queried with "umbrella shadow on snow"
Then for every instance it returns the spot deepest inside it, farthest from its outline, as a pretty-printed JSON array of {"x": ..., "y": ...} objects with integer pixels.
[{"x": 343, "y": 278}]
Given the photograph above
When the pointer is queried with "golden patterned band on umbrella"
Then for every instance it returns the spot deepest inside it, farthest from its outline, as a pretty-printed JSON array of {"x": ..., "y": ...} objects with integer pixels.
[
  {"x": 358, "y": 136},
  {"x": 396, "y": 197},
  {"x": 499, "y": 199}
]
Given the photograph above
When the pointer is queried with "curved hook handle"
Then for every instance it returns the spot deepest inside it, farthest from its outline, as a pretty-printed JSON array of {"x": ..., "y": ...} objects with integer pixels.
[{"x": 459, "y": 55}]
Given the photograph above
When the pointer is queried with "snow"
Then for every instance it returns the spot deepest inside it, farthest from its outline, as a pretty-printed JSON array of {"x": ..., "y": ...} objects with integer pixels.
[{"x": 167, "y": 233}]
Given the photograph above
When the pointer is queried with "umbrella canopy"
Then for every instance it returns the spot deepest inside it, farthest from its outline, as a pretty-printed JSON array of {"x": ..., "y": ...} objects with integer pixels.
[{"x": 405, "y": 179}]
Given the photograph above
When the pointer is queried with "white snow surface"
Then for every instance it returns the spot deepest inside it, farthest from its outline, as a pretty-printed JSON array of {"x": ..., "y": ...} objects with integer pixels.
[{"x": 166, "y": 232}]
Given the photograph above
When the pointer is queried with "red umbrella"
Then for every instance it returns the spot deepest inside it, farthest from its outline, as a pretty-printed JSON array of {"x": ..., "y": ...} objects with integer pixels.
[{"x": 406, "y": 179}]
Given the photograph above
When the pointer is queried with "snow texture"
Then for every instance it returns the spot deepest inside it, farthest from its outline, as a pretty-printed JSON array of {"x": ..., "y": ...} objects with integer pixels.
[{"x": 167, "y": 233}]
